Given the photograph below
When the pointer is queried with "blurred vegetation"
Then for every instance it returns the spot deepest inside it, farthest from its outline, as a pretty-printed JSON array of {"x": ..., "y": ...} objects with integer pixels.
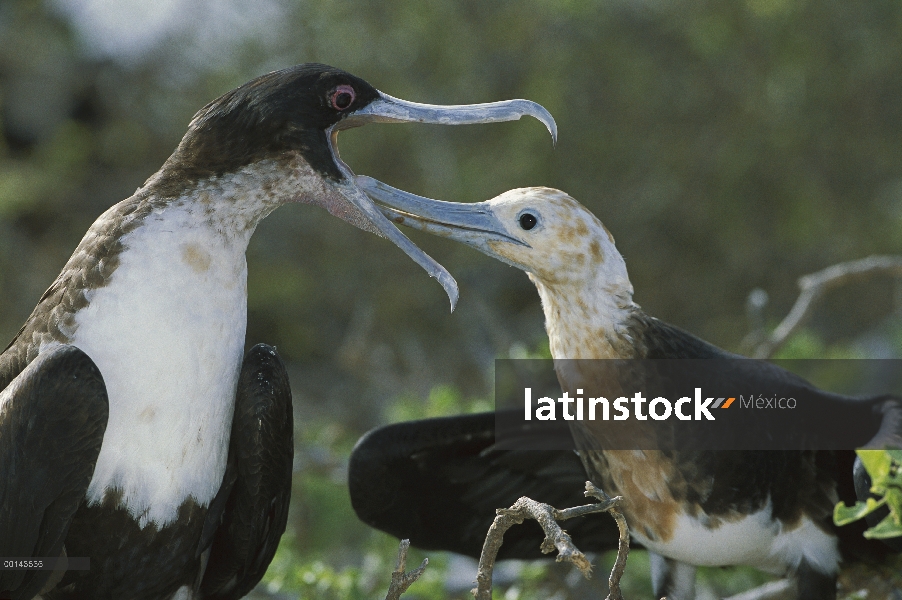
[{"x": 728, "y": 145}]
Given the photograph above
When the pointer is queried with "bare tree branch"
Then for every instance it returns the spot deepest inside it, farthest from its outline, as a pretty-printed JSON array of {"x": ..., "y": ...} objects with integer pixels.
[
  {"x": 623, "y": 543},
  {"x": 555, "y": 537},
  {"x": 400, "y": 580},
  {"x": 813, "y": 286}
]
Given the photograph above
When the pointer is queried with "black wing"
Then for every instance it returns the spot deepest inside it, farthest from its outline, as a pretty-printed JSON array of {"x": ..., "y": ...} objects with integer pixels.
[
  {"x": 874, "y": 422},
  {"x": 438, "y": 482},
  {"x": 52, "y": 419},
  {"x": 248, "y": 515}
]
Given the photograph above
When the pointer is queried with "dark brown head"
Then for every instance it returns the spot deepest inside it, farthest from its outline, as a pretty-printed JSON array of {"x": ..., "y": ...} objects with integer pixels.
[{"x": 286, "y": 111}]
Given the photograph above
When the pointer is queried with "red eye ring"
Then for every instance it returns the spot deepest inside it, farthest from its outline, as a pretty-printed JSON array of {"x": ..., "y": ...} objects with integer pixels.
[{"x": 342, "y": 97}]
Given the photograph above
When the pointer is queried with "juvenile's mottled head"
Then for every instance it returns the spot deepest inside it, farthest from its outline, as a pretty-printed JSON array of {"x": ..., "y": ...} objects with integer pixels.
[
  {"x": 540, "y": 230},
  {"x": 561, "y": 241}
]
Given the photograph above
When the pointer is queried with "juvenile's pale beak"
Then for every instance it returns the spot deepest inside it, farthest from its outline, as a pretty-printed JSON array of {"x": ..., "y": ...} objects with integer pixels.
[
  {"x": 454, "y": 220},
  {"x": 473, "y": 224}
]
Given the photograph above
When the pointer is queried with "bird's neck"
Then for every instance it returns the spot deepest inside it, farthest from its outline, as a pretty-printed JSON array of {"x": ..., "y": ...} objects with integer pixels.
[
  {"x": 232, "y": 203},
  {"x": 589, "y": 317}
]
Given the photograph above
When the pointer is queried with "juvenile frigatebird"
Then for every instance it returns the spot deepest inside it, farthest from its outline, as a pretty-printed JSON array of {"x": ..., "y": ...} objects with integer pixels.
[
  {"x": 767, "y": 509},
  {"x": 131, "y": 432}
]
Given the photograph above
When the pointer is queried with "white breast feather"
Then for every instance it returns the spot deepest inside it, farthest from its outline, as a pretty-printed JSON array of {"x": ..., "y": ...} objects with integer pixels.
[
  {"x": 167, "y": 333},
  {"x": 757, "y": 540}
]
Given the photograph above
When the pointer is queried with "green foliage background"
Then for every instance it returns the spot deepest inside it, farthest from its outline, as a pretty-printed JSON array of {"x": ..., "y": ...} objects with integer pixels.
[{"x": 727, "y": 145}]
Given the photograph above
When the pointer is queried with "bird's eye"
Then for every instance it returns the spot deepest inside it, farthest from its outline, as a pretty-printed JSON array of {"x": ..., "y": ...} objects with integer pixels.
[
  {"x": 342, "y": 97},
  {"x": 528, "y": 221}
]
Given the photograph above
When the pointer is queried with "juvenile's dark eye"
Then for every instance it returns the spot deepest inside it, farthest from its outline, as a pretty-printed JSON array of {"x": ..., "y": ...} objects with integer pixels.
[
  {"x": 528, "y": 221},
  {"x": 342, "y": 97}
]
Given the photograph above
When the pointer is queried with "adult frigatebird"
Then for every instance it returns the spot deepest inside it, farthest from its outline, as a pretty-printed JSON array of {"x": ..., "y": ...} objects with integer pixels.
[
  {"x": 131, "y": 432},
  {"x": 767, "y": 509}
]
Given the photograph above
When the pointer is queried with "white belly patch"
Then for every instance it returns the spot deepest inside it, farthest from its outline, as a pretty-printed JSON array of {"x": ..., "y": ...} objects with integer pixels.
[
  {"x": 758, "y": 540},
  {"x": 167, "y": 333}
]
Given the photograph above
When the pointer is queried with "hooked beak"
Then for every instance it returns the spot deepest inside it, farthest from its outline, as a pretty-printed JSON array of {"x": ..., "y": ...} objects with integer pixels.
[
  {"x": 474, "y": 224},
  {"x": 388, "y": 109},
  {"x": 462, "y": 222}
]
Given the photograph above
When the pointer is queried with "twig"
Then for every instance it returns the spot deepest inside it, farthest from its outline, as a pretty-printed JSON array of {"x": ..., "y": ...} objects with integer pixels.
[
  {"x": 813, "y": 286},
  {"x": 400, "y": 580},
  {"x": 555, "y": 537},
  {"x": 623, "y": 543}
]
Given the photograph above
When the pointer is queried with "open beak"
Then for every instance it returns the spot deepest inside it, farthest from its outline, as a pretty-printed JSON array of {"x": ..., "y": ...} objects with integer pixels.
[
  {"x": 442, "y": 218},
  {"x": 388, "y": 109}
]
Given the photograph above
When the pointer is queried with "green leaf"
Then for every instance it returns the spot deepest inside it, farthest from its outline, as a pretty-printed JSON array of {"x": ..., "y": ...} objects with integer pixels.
[
  {"x": 885, "y": 469},
  {"x": 887, "y": 528},
  {"x": 843, "y": 515},
  {"x": 894, "y": 476},
  {"x": 894, "y": 501},
  {"x": 876, "y": 462}
]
